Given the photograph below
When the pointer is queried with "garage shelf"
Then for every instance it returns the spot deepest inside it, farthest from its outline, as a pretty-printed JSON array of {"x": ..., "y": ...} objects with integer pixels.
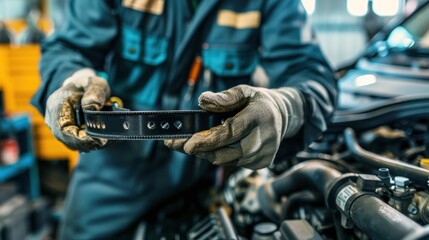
[
  {"x": 25, "y": 169},
  {"x": 25, "y": 162}
]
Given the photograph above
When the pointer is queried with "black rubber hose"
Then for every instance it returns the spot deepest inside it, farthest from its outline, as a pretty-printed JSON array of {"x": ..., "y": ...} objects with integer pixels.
[
  {"x": 370, "y": 214},
  {"x": 381, "y": 221},
  {"x": 315, "y": 175},
  {"x": 295, "y": 199},
  {"x": 339, "y": 162},
  {"x": 396, "y": 167},
  {"x": 420, "y": 235},
  {"x": 309, "y": 175}
]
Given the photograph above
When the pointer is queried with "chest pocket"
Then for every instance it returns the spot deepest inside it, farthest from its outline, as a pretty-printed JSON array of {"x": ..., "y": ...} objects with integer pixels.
[
  {"x": 142, "y": 47},
  {"x": 230, "y": 61}
]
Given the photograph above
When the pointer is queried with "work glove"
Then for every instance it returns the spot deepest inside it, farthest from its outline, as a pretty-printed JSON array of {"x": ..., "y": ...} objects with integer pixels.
[
  {"x": 252, "y": 137},
  {"x": 83, "y": 88}
]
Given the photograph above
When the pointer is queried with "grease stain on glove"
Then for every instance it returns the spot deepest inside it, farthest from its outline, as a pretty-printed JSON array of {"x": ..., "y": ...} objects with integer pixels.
[{"x": 91, "y": 93}]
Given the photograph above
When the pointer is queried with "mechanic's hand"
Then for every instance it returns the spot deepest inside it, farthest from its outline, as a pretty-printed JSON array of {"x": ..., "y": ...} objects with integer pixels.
[
  {"x": 91, "y": 92},
  {"x": 252, "y": 137}
]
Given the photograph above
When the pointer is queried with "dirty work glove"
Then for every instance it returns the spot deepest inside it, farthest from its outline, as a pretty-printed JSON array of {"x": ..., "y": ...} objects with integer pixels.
[
  {"x": 82, "y": 88},
  {"x": 252, "y": 137}
]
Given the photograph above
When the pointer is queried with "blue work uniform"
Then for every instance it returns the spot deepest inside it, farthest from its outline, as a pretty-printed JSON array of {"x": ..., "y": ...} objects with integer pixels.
[{"x": 147, "y": 47}]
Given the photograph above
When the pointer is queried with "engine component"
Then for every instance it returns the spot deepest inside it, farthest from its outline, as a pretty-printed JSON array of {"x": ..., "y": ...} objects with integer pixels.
[
  {"x": 383, "y": 112},
  {"x": 353, "y": 195},
  {"x": 298, "y": 230},
  {"x": 241, "y": 193},
  {"x": 215, "y": 226},
  {"x": 264, "y": 231},
  {"x": 402, "y": 195},
  {"x": 417, "y": 174},
  {"x": 315, "y": 175},
  {"x": 422, "y": 200},
  {"x": 384, "y": 175},
  {"x": 379, "y": 220}
]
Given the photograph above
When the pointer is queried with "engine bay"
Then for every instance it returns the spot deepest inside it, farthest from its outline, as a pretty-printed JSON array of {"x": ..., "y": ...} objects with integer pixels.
[{"x": 367, "y": 178}]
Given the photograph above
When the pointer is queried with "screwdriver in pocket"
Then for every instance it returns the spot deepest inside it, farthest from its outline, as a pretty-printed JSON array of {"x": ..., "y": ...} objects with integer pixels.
[{"x": 194, "y": 74}]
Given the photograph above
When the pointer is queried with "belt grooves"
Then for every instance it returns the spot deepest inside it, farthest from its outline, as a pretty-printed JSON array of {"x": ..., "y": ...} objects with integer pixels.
[{"x": 149, "y": 125}]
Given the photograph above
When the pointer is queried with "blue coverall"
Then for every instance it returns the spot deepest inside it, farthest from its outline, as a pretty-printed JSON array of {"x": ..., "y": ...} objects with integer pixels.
[{"x": 147, "y": 51}]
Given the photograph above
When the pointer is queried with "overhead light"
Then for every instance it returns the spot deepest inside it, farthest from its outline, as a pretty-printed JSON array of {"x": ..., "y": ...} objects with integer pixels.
[
  {"x": 365, "y": 80},
  {"x": 309, "y": 5},
  {"x": 400, "y": 37},
  {"x": 357, "y": 8},
  {"x": 385, "y": 8}
]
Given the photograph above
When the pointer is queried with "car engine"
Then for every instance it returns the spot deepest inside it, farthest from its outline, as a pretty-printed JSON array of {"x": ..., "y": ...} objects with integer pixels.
[{"x": 366, "y": 178}]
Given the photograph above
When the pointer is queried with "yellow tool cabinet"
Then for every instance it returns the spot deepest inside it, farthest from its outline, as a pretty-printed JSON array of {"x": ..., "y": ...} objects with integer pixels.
[{"x": 19, "y": 79}]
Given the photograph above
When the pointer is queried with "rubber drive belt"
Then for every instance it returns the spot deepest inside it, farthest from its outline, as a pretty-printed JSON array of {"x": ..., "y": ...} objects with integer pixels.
[{"x": 122, "y": 124}]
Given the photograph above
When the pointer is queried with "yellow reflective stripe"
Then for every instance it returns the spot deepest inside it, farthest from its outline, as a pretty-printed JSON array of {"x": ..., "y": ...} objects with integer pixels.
[
  {"x": 228, "y": 18},
  {"x": 151, "y": 6}
]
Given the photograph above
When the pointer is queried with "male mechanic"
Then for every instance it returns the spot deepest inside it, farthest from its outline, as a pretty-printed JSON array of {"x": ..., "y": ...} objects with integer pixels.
[{"x": 147, "y": 48}]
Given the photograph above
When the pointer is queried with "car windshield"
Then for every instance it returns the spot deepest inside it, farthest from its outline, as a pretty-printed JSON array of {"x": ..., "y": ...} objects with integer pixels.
[{"x": 413, "y": 33}]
